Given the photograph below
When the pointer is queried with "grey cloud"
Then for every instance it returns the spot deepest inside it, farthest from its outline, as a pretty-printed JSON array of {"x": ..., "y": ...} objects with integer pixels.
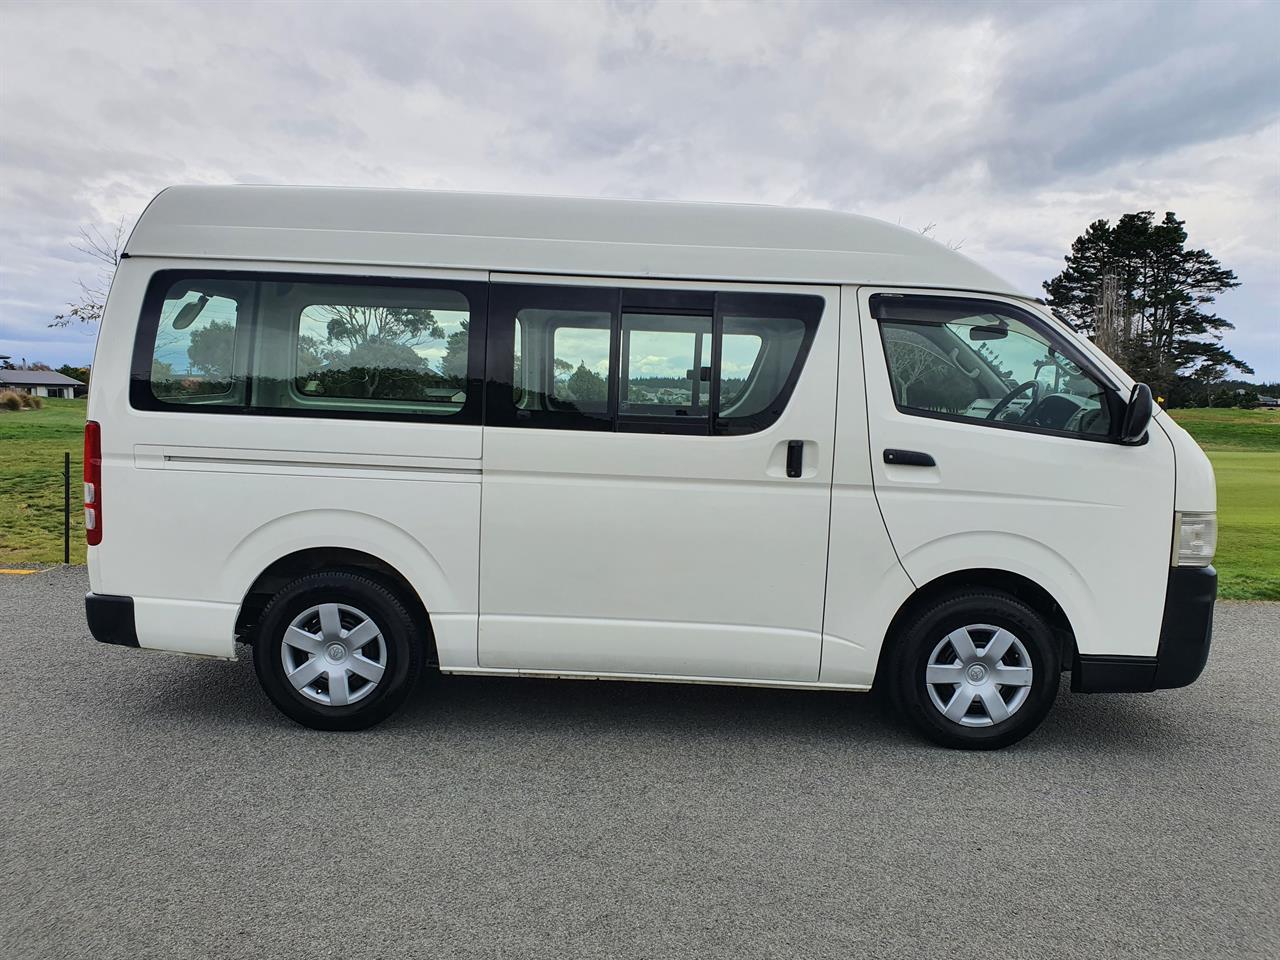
[{"x": 1179, "y": 74}]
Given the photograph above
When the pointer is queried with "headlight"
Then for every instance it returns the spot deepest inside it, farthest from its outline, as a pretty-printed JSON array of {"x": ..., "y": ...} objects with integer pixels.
[{"x": 1195, "y": 538}]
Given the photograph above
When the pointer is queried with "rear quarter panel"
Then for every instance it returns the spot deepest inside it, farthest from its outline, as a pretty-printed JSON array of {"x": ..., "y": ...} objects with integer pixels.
[{"x": 196, "y": 505}]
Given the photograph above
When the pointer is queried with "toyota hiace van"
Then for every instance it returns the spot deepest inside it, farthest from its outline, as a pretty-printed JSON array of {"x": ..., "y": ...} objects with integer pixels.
[{"x": 367, "y": 433}]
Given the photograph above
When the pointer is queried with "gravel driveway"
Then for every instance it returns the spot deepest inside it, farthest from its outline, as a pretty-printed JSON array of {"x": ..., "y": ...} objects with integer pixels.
[{"x": 158, "y": 806}]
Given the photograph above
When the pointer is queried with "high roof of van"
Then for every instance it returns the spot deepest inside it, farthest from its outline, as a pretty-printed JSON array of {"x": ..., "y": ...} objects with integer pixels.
[{"x": 547, "y": 235}]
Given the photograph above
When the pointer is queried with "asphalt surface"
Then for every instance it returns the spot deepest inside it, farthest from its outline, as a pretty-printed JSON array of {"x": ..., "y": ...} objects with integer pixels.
[{"x": 158, "y": 806}]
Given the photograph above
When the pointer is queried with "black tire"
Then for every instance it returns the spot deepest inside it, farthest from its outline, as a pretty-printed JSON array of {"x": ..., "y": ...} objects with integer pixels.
[
  {"x": 913, "y": 647},
  {"x": 402, "y": 639}
]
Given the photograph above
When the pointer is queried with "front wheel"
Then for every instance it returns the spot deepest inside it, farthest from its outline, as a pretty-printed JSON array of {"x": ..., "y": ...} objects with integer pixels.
[
  {"x": 337, "y": 651},
  {"x": 977, "y": 670}
]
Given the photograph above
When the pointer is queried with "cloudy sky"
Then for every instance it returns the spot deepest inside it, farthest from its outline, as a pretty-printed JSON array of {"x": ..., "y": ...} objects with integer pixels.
[{"x": 1009, "y": 126}]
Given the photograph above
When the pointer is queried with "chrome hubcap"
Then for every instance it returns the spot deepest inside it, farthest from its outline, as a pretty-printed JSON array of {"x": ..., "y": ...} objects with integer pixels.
[
  {"x": 978, "y": 675},
  {"x": 333, "y": 654}
]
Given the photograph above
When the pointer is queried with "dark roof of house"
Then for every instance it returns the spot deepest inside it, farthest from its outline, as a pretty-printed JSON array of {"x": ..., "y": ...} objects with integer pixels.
[{"x": 37, "y": 378}]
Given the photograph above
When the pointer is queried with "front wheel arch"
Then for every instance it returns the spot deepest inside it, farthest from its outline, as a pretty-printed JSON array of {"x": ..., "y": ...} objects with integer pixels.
[{"x": 1028, "y": 591}]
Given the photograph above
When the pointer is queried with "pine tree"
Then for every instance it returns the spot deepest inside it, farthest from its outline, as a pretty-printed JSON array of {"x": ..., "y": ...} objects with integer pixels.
[
  {"x": 587, "y": 385},
  {"x": 1145, "y": 298}
]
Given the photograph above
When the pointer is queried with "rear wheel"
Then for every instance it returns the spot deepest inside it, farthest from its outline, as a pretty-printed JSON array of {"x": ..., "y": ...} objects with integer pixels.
[
  {"x": 976, "y": 670},
  {"x": 337, "y": 651}
]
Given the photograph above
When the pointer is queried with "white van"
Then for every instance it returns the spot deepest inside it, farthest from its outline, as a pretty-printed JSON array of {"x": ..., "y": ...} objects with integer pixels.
[{"x": 368, "y": 431}]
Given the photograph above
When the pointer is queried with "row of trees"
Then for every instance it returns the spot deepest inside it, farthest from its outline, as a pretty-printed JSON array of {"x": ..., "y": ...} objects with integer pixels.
[{"x": 1208, "y": 391}]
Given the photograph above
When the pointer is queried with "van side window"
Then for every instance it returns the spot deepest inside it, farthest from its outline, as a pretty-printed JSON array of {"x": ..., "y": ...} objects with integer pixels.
[
  {"x": 363, "y": 347},
  {"x": 308, "y": 345},
  {"x": 580, "y": 362},
  {"x": 757, "y": 357},
  {"x": 740, "y": 351},
  {"x": 560, "y": 361},
  {"x": 645, "y": 360},
  {"x": 981, "y": 361},
  {"x": 198, "y": 353},
  {"x": 666, "y": 360}
]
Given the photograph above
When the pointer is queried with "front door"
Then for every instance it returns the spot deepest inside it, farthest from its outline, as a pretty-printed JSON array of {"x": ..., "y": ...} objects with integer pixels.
[
  {"x": 993, "y": 447},
  {"x": 657, "y": 479}
]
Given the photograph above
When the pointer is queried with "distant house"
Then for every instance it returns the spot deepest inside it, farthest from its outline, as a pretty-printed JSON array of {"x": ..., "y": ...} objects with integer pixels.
[
  {"x": 1268, "y": 402},
  {"x": 41, "y": 383}
]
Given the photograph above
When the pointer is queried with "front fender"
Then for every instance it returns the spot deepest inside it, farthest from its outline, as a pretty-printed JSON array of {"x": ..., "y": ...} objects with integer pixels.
[{"x": 1011, "y": 553}]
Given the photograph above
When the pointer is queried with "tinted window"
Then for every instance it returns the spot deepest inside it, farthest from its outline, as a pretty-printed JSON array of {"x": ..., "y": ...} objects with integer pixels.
[
  {"x": 645, "y": 360},
  {"x": 759, "y": 354},
  {"x": 361, "y": 352},
  {"x": 363, "y": 346},
  {"x": 740, "y": 351},
  {"x": 666, "y": 364},
  {"x": 199, "y": 343},
  {"x": 580, "y": 361},
  {"x": 311, "y": 346},
  {"x": 982, "y": 361},
  {"x": 561, "y": 360}
]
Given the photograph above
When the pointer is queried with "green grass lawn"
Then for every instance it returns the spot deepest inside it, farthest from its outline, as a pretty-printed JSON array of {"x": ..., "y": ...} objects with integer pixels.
[
  {"x": 1232, "y": 429},
  {"x": 1244, "y": 446},
  {"x": 32, "y": 443}
]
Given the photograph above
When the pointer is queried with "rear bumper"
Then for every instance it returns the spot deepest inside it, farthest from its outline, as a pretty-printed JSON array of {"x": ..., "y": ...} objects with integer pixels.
[
  {"x": 1185, "y": 633},
  {"x": 111, "y": 619},
  {"x": 199, "y": 627}
]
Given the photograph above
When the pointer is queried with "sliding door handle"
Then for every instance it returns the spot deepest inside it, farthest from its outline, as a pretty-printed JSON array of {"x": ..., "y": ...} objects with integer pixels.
[{"x": 909, "y": 458}]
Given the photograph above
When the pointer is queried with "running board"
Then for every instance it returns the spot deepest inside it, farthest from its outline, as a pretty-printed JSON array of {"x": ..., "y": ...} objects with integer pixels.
[{"x": 652, "y": 678}]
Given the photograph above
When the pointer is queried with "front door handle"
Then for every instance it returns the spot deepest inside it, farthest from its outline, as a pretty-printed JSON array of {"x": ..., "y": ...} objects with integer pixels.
[
  {"x": 909, "y": 458},
  {"x": 795, "y": 458}
]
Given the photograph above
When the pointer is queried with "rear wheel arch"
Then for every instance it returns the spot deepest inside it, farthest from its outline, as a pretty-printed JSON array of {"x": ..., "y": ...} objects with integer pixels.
[
  {"x": 290, "y": 567},
  {"x": 1023, "y": 588}
]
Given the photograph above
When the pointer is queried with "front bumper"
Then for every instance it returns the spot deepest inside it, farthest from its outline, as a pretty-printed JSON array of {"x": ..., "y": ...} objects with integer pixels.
[
  {"x": 111, "y": 619},
  {"x": 1185, "y": 633}
]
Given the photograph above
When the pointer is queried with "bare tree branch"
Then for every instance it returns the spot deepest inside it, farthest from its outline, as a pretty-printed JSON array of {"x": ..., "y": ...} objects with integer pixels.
[
  {"x": 927, "y": 231},
  {"x": 104, "y": 247}
]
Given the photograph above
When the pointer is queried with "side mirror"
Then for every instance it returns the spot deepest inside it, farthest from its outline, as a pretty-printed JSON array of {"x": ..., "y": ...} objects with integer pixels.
[{"x": 1137, "y": 414}]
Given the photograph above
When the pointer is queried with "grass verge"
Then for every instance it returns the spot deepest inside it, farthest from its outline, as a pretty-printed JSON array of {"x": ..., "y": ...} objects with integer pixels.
[
  {"x": 1244, "y": 446},
  {"x": 32, "y": 443}
]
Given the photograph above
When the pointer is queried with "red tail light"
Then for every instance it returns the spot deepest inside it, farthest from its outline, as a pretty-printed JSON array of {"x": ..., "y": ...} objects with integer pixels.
[{"x": 92, "y": 483}]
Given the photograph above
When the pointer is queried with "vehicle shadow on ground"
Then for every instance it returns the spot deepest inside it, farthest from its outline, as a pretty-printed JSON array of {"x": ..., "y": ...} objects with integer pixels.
[{"x": 492, "y": 707}]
